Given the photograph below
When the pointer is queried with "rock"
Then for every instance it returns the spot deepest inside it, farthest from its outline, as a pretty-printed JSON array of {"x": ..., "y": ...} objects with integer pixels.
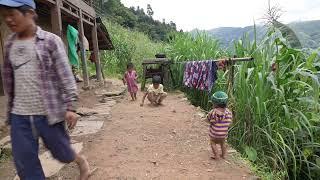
[
  {"x": 91, "y": 118},
  {"x": 103, "y": 100},
  {"x": 103, "y": 111},
  {"x": 5, "y": 141},
  {"x": 184, "y": 99},
  {"x": 87, "y": 127},
  {"x": 86, "y": 111},
  {"x": 201, "y": 114},
  {"x": 87, "y": 88},
  {"x": 145, "y": 138},
  {"x": 231, "y": 151},
  {"x": 105, "y": 93},
  {"x": 209, "y": 170},
  {"x": 154, "y": 162},
  {"x": 174, "y": 111},
  {"x": 174, "y": 132},
  {"x": 7, "y": 149}
]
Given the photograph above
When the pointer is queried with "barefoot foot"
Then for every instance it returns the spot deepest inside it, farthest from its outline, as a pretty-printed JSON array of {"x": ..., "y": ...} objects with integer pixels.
[{"x": 84, "y": 168}]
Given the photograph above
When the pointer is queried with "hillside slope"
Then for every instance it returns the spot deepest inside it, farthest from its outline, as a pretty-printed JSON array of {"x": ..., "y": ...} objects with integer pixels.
[{"x": 308, "y": 33}]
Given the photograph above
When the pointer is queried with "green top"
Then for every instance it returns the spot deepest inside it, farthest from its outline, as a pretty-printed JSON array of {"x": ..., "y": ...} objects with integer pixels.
[{"x": 72, "y": 37}]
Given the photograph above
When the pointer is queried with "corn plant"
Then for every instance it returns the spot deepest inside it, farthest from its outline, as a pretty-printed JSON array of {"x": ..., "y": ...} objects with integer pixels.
[{"x": 275, "y": 100}]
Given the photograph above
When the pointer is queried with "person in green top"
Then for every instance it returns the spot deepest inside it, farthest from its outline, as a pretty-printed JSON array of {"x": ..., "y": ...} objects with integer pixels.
[{"x": 72, "y": 37}]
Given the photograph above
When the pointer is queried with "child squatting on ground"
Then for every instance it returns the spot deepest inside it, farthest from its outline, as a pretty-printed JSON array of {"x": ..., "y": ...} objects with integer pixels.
[
  {"x": 41, "y": 92},
  {"x": 130, "y": 79},
  {"x": 220, "y": 118},
  {"x": 155, "y": 92}
]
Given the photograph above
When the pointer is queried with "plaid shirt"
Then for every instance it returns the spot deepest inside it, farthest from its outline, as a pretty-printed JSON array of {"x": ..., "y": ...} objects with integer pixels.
[{"x": 57, "y": 86}]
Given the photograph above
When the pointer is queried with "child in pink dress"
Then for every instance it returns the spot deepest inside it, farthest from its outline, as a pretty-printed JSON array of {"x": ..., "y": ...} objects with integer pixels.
[{"x": 130, "y": 79}]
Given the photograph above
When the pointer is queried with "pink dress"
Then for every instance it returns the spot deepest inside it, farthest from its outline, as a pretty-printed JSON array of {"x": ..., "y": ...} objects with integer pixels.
[{"x": 131, "y": 79}]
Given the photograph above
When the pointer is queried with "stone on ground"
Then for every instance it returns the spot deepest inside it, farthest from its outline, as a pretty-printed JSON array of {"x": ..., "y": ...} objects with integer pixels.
[
  {"x": 103, "y": 92},
  {"x": 5, "y": 141},
  {"x": 87, "y": 127},
  {"x": 86, "y": 111}
]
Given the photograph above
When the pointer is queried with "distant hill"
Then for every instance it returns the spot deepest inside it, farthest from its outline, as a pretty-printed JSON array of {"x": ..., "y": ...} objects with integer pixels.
[
  {"x": 308, "y": 33},
  {"x": 139, "y": 19}
]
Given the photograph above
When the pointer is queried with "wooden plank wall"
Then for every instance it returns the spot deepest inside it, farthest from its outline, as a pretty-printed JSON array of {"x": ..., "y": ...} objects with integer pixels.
[{"x": 4, "y": 33}]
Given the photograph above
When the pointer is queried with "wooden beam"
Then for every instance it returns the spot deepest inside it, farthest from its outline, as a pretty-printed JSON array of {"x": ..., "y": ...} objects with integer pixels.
[
  {"x": 96, "y": 53},
  {"x": 83, "y": 53},
  {"x": 56, "y": 22},
  {"x": 83, "y": 6},
  {"x": 68, "y": 12},
  {"x": 75, "y": 16},
  {"x": 88, "y": 22},
  {"x": 1, "y": 84}
]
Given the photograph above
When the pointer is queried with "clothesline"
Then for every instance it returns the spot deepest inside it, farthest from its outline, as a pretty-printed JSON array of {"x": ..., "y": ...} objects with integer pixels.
[{"x": 224, "y": 59}]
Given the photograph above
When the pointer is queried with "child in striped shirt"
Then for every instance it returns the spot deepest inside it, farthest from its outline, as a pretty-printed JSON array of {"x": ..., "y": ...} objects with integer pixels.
[{"x": 220, "y": 118}]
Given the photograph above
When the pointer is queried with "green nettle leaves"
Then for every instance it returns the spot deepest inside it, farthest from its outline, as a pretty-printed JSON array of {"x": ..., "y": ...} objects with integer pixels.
[{"x": 251, "y": 153}]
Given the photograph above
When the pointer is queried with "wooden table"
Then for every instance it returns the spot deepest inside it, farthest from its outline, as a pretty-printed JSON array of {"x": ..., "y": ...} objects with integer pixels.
[{"x": 156, "y": 67}]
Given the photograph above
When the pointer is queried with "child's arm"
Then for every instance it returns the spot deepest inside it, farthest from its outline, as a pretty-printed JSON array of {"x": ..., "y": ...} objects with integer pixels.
[
  {"x": 124, "y": 79},
  {"x": 136, "y": 75},
  {"x": 143, "y": 98},
  {"x": 209, "y": 116}
]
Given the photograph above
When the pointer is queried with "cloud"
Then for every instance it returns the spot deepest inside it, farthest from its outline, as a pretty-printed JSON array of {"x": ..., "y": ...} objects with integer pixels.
[{"x": 208, "y": 14}]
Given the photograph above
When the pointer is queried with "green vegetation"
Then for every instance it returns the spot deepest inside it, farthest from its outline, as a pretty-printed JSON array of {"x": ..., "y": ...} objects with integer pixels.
[
  {"x": 308, "y": 32},
  {"x": 276, "y": 112},
  {"x": 138, "y": 19},
  {"x": 129, "y": 46}
]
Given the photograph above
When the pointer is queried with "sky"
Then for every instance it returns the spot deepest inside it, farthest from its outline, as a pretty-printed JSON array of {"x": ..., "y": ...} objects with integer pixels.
[{"x": 209, "y": 14}]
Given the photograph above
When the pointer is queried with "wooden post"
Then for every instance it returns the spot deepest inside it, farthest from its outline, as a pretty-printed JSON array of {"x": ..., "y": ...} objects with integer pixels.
[
  {"x": 56, "y": 22},
  {"x": 96, "y": 52},
  {"x": 143, "y": 84},
  {"x": 231, "y": 77},
  {"x": 1, "y": 84},
  {"x": 83, "y": 53}
]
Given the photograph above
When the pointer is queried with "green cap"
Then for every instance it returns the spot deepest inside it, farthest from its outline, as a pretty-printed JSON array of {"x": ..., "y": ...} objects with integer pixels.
[{"x": 219, "y": 97}]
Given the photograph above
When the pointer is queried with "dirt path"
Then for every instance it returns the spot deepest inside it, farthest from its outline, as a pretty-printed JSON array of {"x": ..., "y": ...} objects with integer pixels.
[{"x": 168, "y": 142}]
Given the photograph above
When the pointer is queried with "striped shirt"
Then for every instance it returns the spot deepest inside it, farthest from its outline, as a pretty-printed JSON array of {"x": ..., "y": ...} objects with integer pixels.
[
  {"x": 219, "y": 123},
  {"x": 57, "y": 85}
]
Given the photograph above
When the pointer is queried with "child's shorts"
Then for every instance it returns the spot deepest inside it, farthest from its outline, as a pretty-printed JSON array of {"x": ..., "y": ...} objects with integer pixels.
[
  {"x": 25, "y": 133},
  {"x": 217, "y": 140}
]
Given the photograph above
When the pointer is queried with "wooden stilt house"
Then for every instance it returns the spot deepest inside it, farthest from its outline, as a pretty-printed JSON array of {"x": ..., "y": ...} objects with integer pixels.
[{"x": 56, "y": 15}]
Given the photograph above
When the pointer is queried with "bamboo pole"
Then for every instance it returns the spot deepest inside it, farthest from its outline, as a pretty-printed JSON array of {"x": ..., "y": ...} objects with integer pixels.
[
  {"x": 83, "y": 56},
  {"x": 244, "y": 59}
]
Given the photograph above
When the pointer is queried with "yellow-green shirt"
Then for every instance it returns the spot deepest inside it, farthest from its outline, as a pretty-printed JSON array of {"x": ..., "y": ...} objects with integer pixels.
[{"x": 151, "y": 89}]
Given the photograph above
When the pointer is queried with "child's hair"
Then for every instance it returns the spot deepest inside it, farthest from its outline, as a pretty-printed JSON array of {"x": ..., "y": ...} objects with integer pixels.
[
  {"x": 156, "y": 79},
  {"x": 130, "y": 65},
  {"x": 23, "y": 9}
]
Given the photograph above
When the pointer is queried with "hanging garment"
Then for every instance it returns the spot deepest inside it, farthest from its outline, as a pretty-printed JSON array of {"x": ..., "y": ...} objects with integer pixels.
[
  {"x": 213, "y": 76},
  {"x": 200, "y": 75},
  {"x": 72, "y": 37}
]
